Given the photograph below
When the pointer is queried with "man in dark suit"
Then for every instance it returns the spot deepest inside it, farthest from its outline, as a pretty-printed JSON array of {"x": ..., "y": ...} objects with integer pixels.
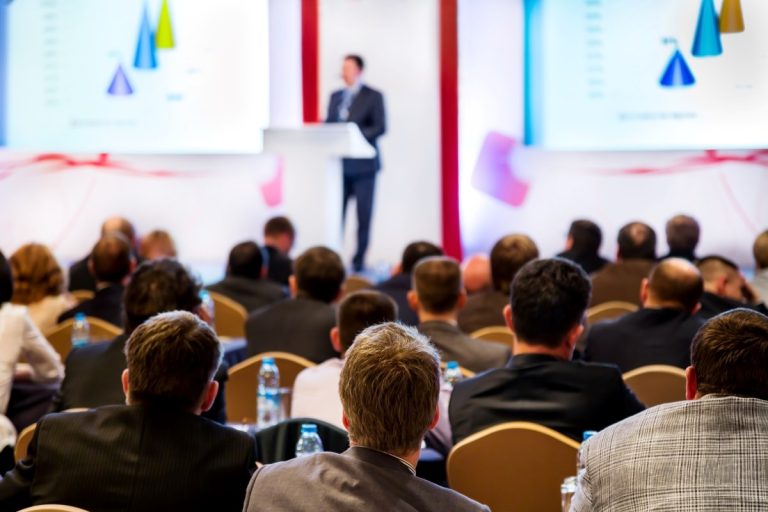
[
  {"x": 682, "y": 237},
  {"x": 244, "y": 282},
  {"x": 389, "y": 394},
  {"x": 725, "y": 288},
  {"x": 300, "y": 325},
  {"x": 583, "y": 246},
  {"x": 154, "y": 454},
  {"x": 80, "y": 276},
  {"x": 111, "y": 264},
  {"x": 357, "y": 103},
  {"x": 400, "y": 284},
  {"x": 484, "y": 309},
  {"x": 92, "y": 373},
  {"x": 541, "y": 384},
  {"x": 438, "y": 295},
  {"x": 659, "y": 333},
  {"x": 279, "y": 235}
]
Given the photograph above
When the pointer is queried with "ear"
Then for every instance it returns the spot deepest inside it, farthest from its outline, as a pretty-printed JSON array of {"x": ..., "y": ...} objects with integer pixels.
[
  {"x": 344, "y": 421},
  {"x": 644, "y": 291},
  {"x": 435, "y": 419},
  {"x": 696, "y": 308},
  {"x": 90, "y": 266},
  {"x": 413, "y": 300},
  {"x": 508, "y": 317},
  {"x": 573, "y": 337},
  {"x": 210, "y": 395},
  {"x": 340, "y": 295},
  {"x": 569, "y": 243},
  {"x": 265, "y": 272},
  {"x": 335, "y": 340},
  {"x": 292, "y": 286},
  {"x": 462, "y": 300},
  {"x": 691, "y": 383},
  {"x": 721, "y": 284},
  {"x": 126, "y": 387}
]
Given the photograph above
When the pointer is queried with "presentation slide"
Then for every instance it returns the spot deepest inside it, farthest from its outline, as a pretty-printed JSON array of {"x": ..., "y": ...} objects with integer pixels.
[
  {"x": 135, "y": 76},
  {"x": 650, "y": 74}
]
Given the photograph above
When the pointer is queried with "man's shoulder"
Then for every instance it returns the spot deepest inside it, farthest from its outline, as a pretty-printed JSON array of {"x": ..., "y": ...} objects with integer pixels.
[{"x": 370, "y": 90}]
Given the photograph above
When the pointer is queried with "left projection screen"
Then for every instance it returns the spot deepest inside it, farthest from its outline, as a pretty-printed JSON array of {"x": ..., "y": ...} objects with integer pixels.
[{"x": 136, "y": 76}]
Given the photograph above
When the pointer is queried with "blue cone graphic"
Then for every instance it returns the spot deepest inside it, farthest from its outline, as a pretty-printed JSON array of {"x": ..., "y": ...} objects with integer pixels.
[
  {"x": 146, "y": 56},
  {"x": 677, "y": 73},
  {"x": 120, "y": 85},
  {"x": 706, "y": 42}
]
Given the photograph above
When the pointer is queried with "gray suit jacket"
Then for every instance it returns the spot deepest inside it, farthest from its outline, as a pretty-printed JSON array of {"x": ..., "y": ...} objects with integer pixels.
[
  {"x": 703, "y": 455},
  {"x": 357, "y": 480},
  {"x": 454, "y": 345}
]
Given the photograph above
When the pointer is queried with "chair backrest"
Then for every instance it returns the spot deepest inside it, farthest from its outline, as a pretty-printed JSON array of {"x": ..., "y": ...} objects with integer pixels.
[
  {"x": 82, "y": 295},
  {"x": 513, "y": 466},
  {"x": 53, "y": 508},
  {"x": 355, "y": 284},
  {"x": 278, "y": 443},
  {"x": 60, "y": 336},
  {"x": 230, "y": 316},
  {"x": 467, "y": 374},
  {"x": 22, "y": 442},
  {"x": 609, "y": 310},
  {"x": 500, "y": 333},
  {"x": 243, "y": 381},
  {"x": 657, "y": 384}
]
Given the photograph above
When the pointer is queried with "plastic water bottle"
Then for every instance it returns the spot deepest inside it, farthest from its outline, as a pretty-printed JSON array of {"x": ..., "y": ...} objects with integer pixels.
[
  {"x": 309, "y": 442},
  {"x": 268, "y": 401},
  {"x": 207, "y": 303},
  {"x": 452, "y": 373},
  {"x": 81, "y": 331},
  {"x": 586, "y": 435}
]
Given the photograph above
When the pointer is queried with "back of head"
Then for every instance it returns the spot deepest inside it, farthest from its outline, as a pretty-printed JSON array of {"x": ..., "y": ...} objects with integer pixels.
[
  {"x": 121, "y": 225},
  {"x": 760, "y": 250},
  {"x": 111, "y": 258},
  {"x": 637, "y": 241},
  {"x": 476, "y": 272},
  {"x": 415, "y": 252},
  {"x": 319, "y": 274},
  {"x": 508, "y": 256},
  {"x": 157, "y": 287},
  {"x": 730, "y": 355},
  {"x": 437, "y": 282},
  {"x": 676, "y": 283},
  {"x": 548, "y": 299},
  {"x": 586, "y": 237},
  {"x": 277, "y": 226},
  {"x": 245, "y": 260},
  {"x": 361, "y": 310},
  {"x": 389, "y": 387},
  {"x": 36, "y": 274},
  {"x": 157, "y": 244},
  {"x": 714, "y": 267},
  {"x": 172, "y": 358},
  {"x": 682, "y": 234},
  {"x": 6, "y": 281}
]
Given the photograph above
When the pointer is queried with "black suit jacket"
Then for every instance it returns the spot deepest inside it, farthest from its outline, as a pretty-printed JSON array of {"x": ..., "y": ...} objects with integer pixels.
[
  {"x": 367, "y": 112},
  {"x": 300, "y": 326},
  {"x": 397, "y": 287},
  {"x": 80, "y": 277},
  {"x": 483, "y": 310},
  {"x": 589, "y": 262},
  {"x": 713, "y": 305},
  {"x": 106, "y": 304},
  {"x": 454, "y": 345},
  {"x": 92, "y": 379},
  {"x": 279, "y": 267},
  {"x": 567, "y": 396},
  {"x": 132, "y": 458},
  {"x": 252, "y": 294},
  {"x": 647, "y": 336}
]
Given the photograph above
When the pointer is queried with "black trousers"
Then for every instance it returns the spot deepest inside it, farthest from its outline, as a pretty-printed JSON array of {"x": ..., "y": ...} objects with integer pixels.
[{"x": 361, "y": 187}]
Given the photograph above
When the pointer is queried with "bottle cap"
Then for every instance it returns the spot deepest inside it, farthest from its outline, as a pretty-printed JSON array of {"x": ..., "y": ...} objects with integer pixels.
[
  {"x": 268, "y": 360},
  {"x": 79, "y": 316},
  {"x": 308, "y": 428},
  {"x": 587, "y": 434},
  {"x": 452, "y": 365}
]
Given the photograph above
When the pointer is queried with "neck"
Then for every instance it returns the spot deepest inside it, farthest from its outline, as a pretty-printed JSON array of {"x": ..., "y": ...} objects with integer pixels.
[
  {"x": 449, "y": 318},
  {"x": 563, "y": 351},
  {"x": 662, "y": 304},
  {"x": 411, "y": 458}
]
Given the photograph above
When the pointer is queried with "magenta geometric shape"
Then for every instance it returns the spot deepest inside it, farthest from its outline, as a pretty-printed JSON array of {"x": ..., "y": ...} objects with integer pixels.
[{"x": 493, "y": 174}]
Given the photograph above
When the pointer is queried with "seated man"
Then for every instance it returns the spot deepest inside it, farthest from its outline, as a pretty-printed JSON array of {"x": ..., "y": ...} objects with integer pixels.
[
  {"x": 682, "y": 237},
  {"x": 476, "y": 273},
  {"x": 245, "y": 282},
  {"x": 80, "y": 276},
  {"x": 279, "y": 235},
  {"x": 438, "y": 295},
  {"x": 725, "y": 288},
  {"x": 659, "y": 333},
  {"x": 707, "y": 453},
  {"x": 583, "y": 246},
  {"x": 541, "y": 384},
  {"x": 153, "y": 454},
  {"x": 300, "y": 325},
  {"x": 389, "y": 390}
]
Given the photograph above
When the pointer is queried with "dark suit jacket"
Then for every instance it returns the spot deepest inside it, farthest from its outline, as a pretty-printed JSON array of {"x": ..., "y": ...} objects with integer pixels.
[
  {"x": 356, "y": 480},
  {"x": 252, "y": 294},
  {"x": 454, "y": 345},
  {"x": 132, "y": 458},
  {"x": 483, "y": 310},
  {"x": 684, "y": 255},
  {"x": 591, "y": 263},
  {"x": 80, "y": 277},
  {"x": 567, "y": 396},
  {"x": 647, "y": 336},
  {"x": 92, "y": 379},
  {"x": 106, "y": 304},
  {"x": 397, "y": 287},
  {"x": 279, "y": 267},
  {"x": 620, "y": 281},
  {"x": 713, "y": 305},
  {"x": 367, "y": 112},
  {"x": 301, "y": 326}
]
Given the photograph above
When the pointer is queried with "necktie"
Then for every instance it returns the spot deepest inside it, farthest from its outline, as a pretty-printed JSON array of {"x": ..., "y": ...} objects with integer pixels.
[{"x": 346, "y": 102}]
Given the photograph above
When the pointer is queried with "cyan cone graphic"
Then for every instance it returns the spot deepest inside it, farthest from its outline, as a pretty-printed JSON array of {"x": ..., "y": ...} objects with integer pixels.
[
  {"x": 706, "y": 42},
  {"x": 146, "y": 57},
  {"x": 120, "y": 85},
  {"x": 731, "y": 17},
  {"x": 677, "y": 74}
]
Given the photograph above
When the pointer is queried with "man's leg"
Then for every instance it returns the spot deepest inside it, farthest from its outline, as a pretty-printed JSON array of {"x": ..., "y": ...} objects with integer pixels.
[
  {"x": 346, "y": 194},
  {"x": 363, "y": 189}
]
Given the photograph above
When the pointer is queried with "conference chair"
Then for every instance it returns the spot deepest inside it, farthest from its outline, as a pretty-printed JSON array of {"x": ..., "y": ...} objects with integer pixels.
[
  {"x": 513, "y": 466},
  {"x": 500, "y": 333},
  {"x": 609, "y": 310},
  {"x": 22, "y": 442},
  {"x": 60, "y": 336},
  {"x": 657, "y": 384},
  {"x": 278, "y": 442},
  {"x": 229, "y": 315},
  {"x": 242, "y": 385},
  {"x": 53, "y": 508},
  {"x": 355, "y": 284},
  {"x": 82, "y": 295},
  {"x": 467, "y": 374}
]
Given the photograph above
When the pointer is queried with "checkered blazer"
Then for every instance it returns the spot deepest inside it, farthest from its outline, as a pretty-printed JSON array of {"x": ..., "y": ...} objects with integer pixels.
[{"x": 704, "y": 455}]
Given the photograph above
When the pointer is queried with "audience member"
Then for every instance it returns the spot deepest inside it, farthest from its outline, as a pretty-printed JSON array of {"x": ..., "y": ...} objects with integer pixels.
[
  {"x": 92, "y": 373},
  {"x": 541, "y": 384},
  {"x": 400, "y": 283},
  {"x": 111, "y": 264},
  {"x": 300, "y": 325},
  {"x": 156, "y": 245},
  {"x": 507, "y": 257},
  {"x": 476, "y": 272},
  {"x": 583, "y": 246},
  {"x": 80, "y": 276},
  {"x": 38, "y": 283},
  {"x": 760, "y": 251},
  {"x": 682, "y": 237},
  {"x": 437, "y": 296},
  {"x": 659, "y": 333},
  {"x": 279, "y": 235},
  {"x": 245, "y": 281},
  {"x": 154, "y": 453},
  {"x": 707, "y": 453},
  {"x": 725, "y": 288},
  {"x": 389, "y": 392},
  {"x": 635, "y": 259}
]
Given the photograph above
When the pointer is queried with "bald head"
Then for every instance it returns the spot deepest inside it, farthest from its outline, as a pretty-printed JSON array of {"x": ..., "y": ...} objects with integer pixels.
[
  {"x": 721, "y": 277},
  {"x": 637, "y": 241},
  {"x": 760, "y": 250},
  {"x": 111, "y": 260},
  {"x": 674, "y": 283},
  {"x": 121, "y": 225},
  {"x": 476, "y": 271}
]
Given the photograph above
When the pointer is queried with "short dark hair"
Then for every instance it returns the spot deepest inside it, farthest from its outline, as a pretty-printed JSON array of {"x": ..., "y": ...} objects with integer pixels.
[
  {"x": 676, "y": 280},
  {"x": 437, "y": 282},
  {"x": 111, "y": 258},
  {"x": 637, "y": 241},
  {"x": 730, "y": 355},
  {"x": 361, "y": 310},
  {"x": 682, "y": 233},
  {"x": 157, "y": 287},
  {"x": 713, "y": 266},
  {"x": 6, "y": 280},
  {"x": 548, "y": 298},
  {"x": 508, "y": 255},
  {"x": 760, "y": 250},
  {"x": 246, "y": 260},
  {"x": 319, "y": 274},
  {"x": 586, "y": 237},
  {"x": 172, "y": 358},
  {"x": 357, "y": 59},
  {"x": 280, "y": 225},
  {"x": 417, "y": 251}
]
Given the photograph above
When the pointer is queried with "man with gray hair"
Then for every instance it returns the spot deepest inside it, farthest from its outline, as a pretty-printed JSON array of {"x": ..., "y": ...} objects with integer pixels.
[{"x": 389, "y": 392}]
